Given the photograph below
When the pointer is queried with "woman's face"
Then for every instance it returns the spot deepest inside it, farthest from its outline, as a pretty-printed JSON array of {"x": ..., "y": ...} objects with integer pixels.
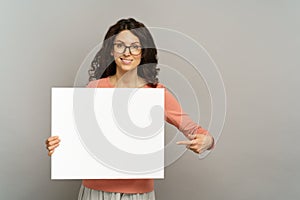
[{"x": 125, "y": 60}]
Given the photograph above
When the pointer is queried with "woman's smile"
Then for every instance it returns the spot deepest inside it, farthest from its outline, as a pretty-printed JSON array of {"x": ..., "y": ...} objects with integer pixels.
[{"x": 126, "y": 61}]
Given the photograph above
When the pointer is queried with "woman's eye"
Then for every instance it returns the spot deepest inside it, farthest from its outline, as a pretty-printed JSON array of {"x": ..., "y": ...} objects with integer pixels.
[
  {"x": 119, "y": 45},
  {"x": 135, "y": 46}
]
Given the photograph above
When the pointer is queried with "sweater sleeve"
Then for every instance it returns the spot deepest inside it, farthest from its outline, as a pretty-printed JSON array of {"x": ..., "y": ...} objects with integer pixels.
[{"x": 175, "y": 115}]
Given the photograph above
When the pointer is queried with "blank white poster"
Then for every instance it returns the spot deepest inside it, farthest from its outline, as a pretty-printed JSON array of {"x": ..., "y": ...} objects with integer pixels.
[{"x": 108, "y": 133}]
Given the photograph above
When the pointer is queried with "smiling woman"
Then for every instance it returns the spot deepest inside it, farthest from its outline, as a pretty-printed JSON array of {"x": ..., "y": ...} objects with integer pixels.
[
  {"x": 127, "y": 52},
  {"x": 128, "y": 58},
  {"x": 126, "y": 45}
]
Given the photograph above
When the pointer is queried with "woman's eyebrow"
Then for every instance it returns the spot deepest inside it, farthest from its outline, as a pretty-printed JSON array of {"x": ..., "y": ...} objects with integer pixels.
[{"x": 124, "y": 42}]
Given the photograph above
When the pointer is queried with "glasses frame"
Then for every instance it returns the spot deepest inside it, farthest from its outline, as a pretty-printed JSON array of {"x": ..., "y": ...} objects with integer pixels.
[{"x": 128, "y": 48}]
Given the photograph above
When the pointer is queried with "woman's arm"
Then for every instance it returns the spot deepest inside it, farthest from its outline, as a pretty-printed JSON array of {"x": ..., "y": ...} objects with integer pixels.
[{"x": 199, "y": 138}]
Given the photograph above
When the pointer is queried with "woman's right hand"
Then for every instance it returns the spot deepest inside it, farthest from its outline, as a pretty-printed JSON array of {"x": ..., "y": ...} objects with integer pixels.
[{"x": 51, "y": 143}]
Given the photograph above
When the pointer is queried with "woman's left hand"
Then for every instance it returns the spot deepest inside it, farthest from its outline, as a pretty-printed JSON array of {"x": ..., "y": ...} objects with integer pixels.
[{"x": 198, "y": 143}]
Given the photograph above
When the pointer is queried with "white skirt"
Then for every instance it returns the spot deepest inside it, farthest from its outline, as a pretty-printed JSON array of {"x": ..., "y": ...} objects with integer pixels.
[{"x": 90, "y": 194}]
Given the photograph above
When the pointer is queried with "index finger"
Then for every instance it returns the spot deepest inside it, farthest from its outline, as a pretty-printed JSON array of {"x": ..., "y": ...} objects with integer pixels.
[{"x": 185, "y": 142}]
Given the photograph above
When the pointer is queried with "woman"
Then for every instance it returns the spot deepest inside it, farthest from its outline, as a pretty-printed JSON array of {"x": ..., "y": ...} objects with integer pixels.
[{"x": 128, "y": 58}]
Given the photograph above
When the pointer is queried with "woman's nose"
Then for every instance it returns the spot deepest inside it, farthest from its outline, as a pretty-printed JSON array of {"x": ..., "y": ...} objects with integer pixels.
[{"x": 127, "y": 52}]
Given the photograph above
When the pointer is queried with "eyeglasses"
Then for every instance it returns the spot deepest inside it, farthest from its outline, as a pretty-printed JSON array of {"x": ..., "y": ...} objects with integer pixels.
[{"x": 133, "y": 49}]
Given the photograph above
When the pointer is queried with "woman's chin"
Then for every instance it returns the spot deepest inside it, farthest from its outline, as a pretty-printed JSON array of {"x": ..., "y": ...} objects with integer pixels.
[{"x": 127, "y": 68}]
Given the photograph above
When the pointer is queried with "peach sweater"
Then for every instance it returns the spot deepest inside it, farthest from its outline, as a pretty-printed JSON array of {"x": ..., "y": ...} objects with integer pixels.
[{"x": 173, "y": 115}]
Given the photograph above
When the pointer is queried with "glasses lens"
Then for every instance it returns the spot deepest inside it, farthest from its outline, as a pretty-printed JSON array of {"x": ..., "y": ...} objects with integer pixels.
[
  {"x": 135, "y": 49},
  {"x": 119, "y": 47}
]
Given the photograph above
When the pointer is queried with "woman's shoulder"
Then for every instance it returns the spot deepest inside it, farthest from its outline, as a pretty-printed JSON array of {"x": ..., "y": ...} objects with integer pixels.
[{"x": 160, "y": 85}]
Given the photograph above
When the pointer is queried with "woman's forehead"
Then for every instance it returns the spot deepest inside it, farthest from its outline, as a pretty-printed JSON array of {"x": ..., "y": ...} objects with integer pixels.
[{"x": 127, "y": 37}]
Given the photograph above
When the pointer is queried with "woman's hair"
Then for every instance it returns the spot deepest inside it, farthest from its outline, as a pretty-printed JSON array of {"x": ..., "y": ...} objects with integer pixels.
[{"x": 104, "y": 65}]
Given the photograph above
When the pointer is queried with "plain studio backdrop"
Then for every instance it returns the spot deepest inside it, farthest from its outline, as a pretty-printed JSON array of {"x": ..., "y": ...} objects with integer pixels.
[{"x": 255, "y": 45}]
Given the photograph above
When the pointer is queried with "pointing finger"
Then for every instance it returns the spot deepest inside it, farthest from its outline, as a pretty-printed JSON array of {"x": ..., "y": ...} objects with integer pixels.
[{"x": 185, "y": 142}]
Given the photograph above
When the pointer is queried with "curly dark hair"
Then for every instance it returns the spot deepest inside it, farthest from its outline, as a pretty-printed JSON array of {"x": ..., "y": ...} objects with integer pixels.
[{"x": 104, "y": 65}]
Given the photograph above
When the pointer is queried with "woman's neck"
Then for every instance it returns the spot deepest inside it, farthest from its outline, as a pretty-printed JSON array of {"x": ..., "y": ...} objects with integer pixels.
[{"x": 129, "y": 79}]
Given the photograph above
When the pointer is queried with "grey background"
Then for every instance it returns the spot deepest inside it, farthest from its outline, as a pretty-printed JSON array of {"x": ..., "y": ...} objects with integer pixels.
[{"x": 255, "y": 44}]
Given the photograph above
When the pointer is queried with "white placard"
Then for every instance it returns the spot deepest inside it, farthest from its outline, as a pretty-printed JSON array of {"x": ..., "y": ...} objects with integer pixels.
[{"x": 108, "y": 133}]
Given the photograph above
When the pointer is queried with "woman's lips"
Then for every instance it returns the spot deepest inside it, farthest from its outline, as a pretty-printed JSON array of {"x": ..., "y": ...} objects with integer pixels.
[{"x": 126, "y": 61}]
